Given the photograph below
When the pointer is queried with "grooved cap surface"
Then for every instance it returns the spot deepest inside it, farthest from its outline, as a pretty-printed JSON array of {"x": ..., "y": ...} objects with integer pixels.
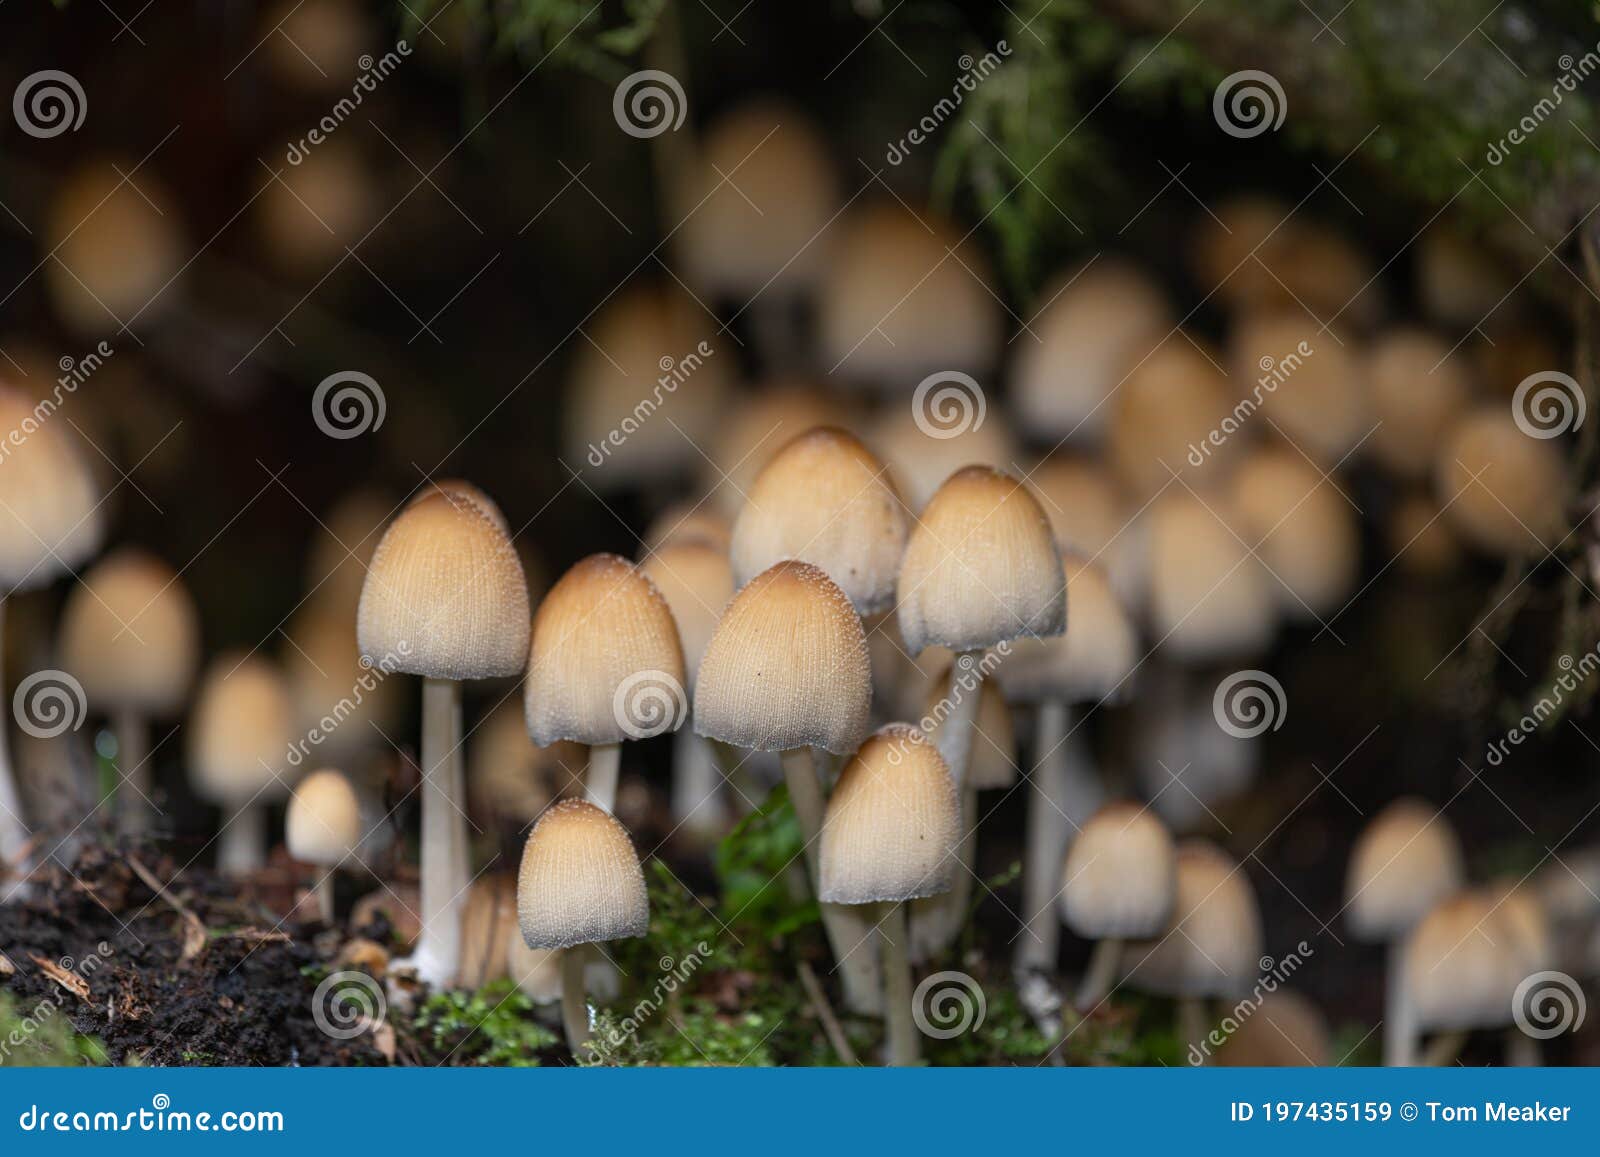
[
  {"x": 580, "y": 880},
  {"x": 1120, "y": 877},
  {"x": 1093, "y": 661}
]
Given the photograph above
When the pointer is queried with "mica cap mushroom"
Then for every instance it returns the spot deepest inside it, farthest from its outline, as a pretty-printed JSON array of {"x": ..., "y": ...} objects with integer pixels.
[{"x": 580, "y": 881}]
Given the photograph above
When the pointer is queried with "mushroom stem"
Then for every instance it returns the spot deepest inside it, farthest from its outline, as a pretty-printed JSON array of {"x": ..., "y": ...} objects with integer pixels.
[
  {"x": 1192, "y": 1025},
  {"x": 13, "y": 831},
  {"x": 134, "y": 806},
  {"x": 937, "y": 921},
  {"x": 849, "y": 933},
  {"x": 600, "y": 777},
  {"x": 1444, "y": 1049},
  {"x": 438, "y": 950},
  {"x": 953, "y": 733},
  {"x": 1048, "y": 835},
  {"x": 1399, "y": 1034},
  {"x": 324, "y": 894},
  {"x": 574, "y": 1001},
  {"x": 904, "y": 1047},
  {"x": 1101, "y": 974},
  {"x": 242, "y": 842},
  {"x": 697, "y": 804}
]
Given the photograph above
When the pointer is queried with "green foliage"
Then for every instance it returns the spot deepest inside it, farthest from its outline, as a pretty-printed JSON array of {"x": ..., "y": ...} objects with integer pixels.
[
  {"x": 494, "y": 1026},
  {"x": 573, "y": 33},
  {"x": 755, "y": 864},
  {"x": 43, "y": 1036}
]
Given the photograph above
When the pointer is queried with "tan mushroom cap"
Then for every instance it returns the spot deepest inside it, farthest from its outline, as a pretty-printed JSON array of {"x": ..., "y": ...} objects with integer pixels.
[
  {"x": 580, "y": 880},
  {"x": 1522, "y": 912},
  {"x": 696, "y": 579},
  {"x": 1458, "y": 282},
  {"x": 1212, "y": 942},
  {"x": 894, "y": 304},
  {"x": 1237, "y": 246},
  {"x": 1100, "y": 320},
  {"x": 1210, "y": 597},
  {"x": 1285, "y": 1030},
  {"x": 787, "y": 666},
  {"x": 342, "y": 547},
  {"x": 445, "y": 595},
  {"x": 1461, "y": 965},
  {"x": 759, "y": 197},
  {"x": 605, "y": 662},
  {"x": 462, "y": 491},
  {"x": 1421, "y": 539},
  {"x": 323, "y": 824},
  {"x": 1164, "y": 416},
  {"x": 1503, "y": 489},
  {"x": 50, "y": 516},
  {"x": 511, "y": 778},
  {"x": 314, "y": 45},
  {"x": 308, "y": 212},
  {"x": 1406, "y": 861},
  {"x": 1120, "y": 877},
  {"x": 130, "y": 633},
  {"x": 981, "y": 567},
  {"x": 1093, "y": 661},
  {"x": 240, "y": 732},
  {"x": 1302, "y": 528},
  {"x": 1091, "y": 516},
  {"x": 993, "y": 759},
  {"x": 892, "y": 822},
  {"x": 686, "y": 522},
  {"x": 536, "y": 971},
  {"x": 1302, "y": 379},
  {"x": 350, "y": 705},
  {"x": 827, "y": 500},
  {"x": 761, "y": 425},
  {"x": 919, "y": 462},
  {"x": 1418, "y": 387}
]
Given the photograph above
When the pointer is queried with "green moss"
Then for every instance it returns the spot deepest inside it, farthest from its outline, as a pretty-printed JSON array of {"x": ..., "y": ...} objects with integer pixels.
[
  {"x": 43, "y": 1035},
  {"x": 494, "y": 1026}
]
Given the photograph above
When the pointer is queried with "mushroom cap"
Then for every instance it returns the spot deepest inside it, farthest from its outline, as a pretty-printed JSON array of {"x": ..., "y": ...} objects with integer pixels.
[
  {"x": 605, "y": 663},
  {"x": 341, "y": 550},
  {"x": 1461, "y": 965},
  {"x": 1523, "y": 914},
  {"x": 992, "y": 762},
  {"x": 827, "y": 500},
  {"x": 319, "y": 44},
  {"x": 1504, "y": 490},
  {"x": 981, "y": 567},
  {"x": 1212, "y": 942},
  {"x": 1418, "y": 387},
  {"x": 445, "y": 596},
  {"x": 904, "y": 295},
  {"x": 1100, "y": 320},
  {"x": 511, "y": 778},
  {"x": 309, "y": 211},
  {"x": 1237, "y": 248},
  {"x": 580, "y": 880},
  {"x": 1308, "y": 384},
  {"x": 1285, "y": 1030},
  {"x": 682, "y": 521},
  {"x": 1210, "y": 598},
  {"x": 323, "y": 824},
  {"x": 1171, "y": 403},
  {"x": 1121, "y": 876},
  {"x": 130, "y": 633},
  {"x": 892, "y": 822},
  {"x": 761, "y": 425},
  {"x": 1090, "y": 515},
  {"x": 1458, "y": 282},
  {"x": 536, "y": 971},
  {"x": 787, "y": 666},
  {"x": 1301, "y": 527},
  {"x": 1421, "y": 539},
  {"x": 1093, "y": 662},
  {"x": 761, "y": 191},
  {"x": 919, "y": 462},
  {"x": 50, "y": 516},
  {"x": 696, "y": 579},
  {"x": 347, "y": 702},
  {"x": 1405, "y": 862},
  {"x": 461, "y": 491},
  {"x": 239, "y": 733}
]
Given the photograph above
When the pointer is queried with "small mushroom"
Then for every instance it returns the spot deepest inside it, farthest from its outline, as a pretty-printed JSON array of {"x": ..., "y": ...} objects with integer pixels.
[
  {"x": 1305, "y": 379},
  {"x": 763, "y": 422},
  {"x": 323, "y": 827},
  {"x": 1460, "y": 972},
  {"x": 1284, "y": 1030},
  {"x": 1503, "y": 490},
  {"x": 1419, "y": 386},
  {"x": 1303, "y": 529}
]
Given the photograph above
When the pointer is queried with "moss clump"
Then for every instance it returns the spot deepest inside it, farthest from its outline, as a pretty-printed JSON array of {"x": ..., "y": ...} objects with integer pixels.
[
  {"x": 43, "y": 1036},
  {"x": 495, "y": 1026}
]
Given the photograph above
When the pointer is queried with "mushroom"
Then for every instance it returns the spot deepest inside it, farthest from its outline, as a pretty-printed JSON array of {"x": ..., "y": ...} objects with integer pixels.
[
  {"x": 580, "y": 883},
  {"x": 786, "y": 670},
  {"x": 1284, "y": 1030},
  {"x": 1210, "y": 598},
  {"x": 1533, "y": 949},
  {"x": 1503, "y": 490},
  {"x": 308, "y": 212},
  {"x": 1163, "y": 417},
  {"x": 889, "y": 837},
  {"x": 1238, "y": 246},
  {"x": 323, "y": 827},
  {"x": 445, "y": 599},
  {"x": 1118, "y": 883},
  {"x": 1303, "y": 529},
  {"x": 1306, "y": 380},
  {"x": 1406, "y": 862},
  {"x": 682, "y": 520},
  {"x": 239, "y": 738},
  {"x": 510, "y": 779},
  {"x": 312, "y": 45},
  {"x": 488, "y": 927},
  {"x": 1461, "y": 969},
  {"x": 604, "y": 665},
  {"x": 1458, "y": 282},
  {"x": 344, "y": 703},
  {"x": 49, "y": 523},
  {"x": 920, "y": 461},
  {"x": 130, "y": 633},
  {"x": 757, "y": 429},
  {"x": 1419, "y": 385},
  {"x": 1090, "y": 516}
]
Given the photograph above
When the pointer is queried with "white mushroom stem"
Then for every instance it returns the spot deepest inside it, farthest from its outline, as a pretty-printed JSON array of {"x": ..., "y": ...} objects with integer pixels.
[
  {"x": 1062, "y": 793},
  {"x": 438, "y": 952},
  {"x": 1399, "y": 1031},
  {"x": 1101, "y": 975},
  {"x": 953, "y": 732},
  {"x": 904, "y": 1046},
  {"x": 135, "y": 783},
  {"x": 13, "y": 829},
  {"x": 937, "y": 921},
  {"x": 697, "y": 805},
  {"x": 574, "y": 1000},
  {"x": 1444, "y": 1049},
  {"x": 1192, "y": 1026},
  {"x": 849, "y": 932},
  {"x": 324, "y": 894},
  {"x": 242, "y": 842},
  {"x": 600, "y": 777}
]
